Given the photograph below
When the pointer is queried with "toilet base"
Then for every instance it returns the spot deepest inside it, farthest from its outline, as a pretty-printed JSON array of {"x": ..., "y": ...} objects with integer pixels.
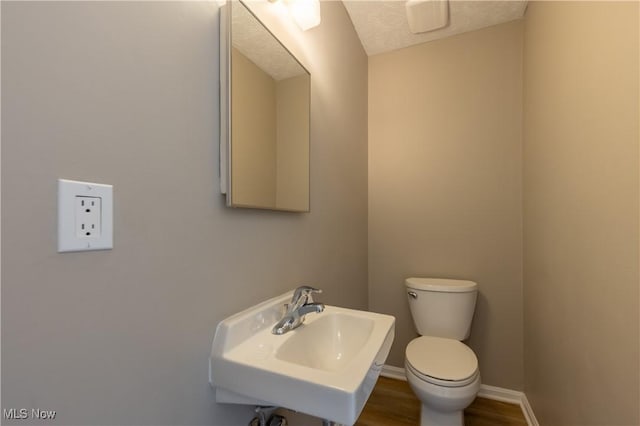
[{"x": 431, "y": 417}]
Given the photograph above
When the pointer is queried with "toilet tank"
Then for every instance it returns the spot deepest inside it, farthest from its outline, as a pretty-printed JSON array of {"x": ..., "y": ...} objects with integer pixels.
[{"x": 442, "y": 307}]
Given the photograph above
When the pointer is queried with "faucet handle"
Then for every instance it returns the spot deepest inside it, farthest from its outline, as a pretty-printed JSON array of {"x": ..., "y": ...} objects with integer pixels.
[{"x": 306, "y": 292}]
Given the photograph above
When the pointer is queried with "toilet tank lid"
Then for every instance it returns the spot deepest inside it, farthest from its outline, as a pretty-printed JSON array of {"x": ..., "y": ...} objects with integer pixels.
[{"x": 441, "y": 284}]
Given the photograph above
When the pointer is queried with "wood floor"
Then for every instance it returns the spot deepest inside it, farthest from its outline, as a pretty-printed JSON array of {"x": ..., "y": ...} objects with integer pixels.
[{"x": 392, "y": 403}]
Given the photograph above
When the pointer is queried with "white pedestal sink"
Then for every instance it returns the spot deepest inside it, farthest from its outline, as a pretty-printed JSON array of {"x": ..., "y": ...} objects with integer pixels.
[{"x": 327, "y": 367}]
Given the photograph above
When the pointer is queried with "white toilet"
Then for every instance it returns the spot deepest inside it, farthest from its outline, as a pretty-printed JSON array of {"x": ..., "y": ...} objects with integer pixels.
[{"x": 441, "y": 370}]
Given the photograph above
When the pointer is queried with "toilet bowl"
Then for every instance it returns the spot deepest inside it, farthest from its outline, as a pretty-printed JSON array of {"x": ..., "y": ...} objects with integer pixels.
[
  {"x": 444, "y": 377},
  {"x": 441, "y": 370}
]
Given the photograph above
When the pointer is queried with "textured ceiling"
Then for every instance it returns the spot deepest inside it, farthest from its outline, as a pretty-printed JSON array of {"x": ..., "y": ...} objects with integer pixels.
[
  {"x": 382, "y": 25},
  {"x": 251, "y": 38}
]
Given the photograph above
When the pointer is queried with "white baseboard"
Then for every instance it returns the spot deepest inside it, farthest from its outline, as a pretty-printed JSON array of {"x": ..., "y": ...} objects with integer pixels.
[
  {"x": 393, "y": 372},
  {"x": 528, "y": 411},
  {"x": 486, "y": 391},
  {"x": 500, "y": 394}
]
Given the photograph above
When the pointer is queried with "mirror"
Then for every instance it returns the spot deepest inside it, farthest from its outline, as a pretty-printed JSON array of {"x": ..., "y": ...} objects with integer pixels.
[{"x": 265, "y": 96}]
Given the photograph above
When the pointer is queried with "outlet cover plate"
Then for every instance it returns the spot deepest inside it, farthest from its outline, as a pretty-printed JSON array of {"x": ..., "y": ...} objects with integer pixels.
[{"x": 68, "y": 237}]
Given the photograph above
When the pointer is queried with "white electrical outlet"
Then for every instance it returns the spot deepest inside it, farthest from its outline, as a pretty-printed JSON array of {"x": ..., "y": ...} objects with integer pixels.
[{"x": 85, "y": 216}]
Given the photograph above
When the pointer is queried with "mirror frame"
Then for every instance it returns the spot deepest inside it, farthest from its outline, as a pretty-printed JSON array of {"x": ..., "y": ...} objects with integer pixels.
[{"x": 226, "y": 149}]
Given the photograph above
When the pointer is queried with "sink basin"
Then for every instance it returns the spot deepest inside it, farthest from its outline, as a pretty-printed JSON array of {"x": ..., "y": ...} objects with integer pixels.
[
  {"x": 327, "y": 367},
  {"x": 329, "y": 343}
]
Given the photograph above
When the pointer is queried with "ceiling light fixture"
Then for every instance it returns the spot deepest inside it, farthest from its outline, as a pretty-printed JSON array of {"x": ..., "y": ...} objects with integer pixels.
[{"x": 305, "y": 13}]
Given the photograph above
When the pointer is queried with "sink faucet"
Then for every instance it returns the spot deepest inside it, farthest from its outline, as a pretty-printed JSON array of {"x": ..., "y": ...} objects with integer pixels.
[{"x": 301, "y": 304}]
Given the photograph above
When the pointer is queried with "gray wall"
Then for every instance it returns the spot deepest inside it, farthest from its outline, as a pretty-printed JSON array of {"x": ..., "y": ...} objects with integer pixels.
[
  {"x": 445, "y": 191},
  {"x": 581, "y": 110},
  {"x": 127, "y": 94}
]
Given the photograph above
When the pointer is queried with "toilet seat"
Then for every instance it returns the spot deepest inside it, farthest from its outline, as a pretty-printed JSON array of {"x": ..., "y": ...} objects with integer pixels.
[{"x": 443, "y": 362}]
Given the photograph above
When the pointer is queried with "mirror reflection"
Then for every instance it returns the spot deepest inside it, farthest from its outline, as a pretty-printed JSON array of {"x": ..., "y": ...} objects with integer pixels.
[{"x": 269, "y": 119}]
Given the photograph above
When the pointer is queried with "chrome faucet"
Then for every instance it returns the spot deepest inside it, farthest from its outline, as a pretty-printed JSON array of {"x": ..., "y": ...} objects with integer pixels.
[{"x": 301, "y": 304}]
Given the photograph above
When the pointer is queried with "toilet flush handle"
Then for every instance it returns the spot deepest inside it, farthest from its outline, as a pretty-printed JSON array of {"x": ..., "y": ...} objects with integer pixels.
[{"x": 413, "y": 294}]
